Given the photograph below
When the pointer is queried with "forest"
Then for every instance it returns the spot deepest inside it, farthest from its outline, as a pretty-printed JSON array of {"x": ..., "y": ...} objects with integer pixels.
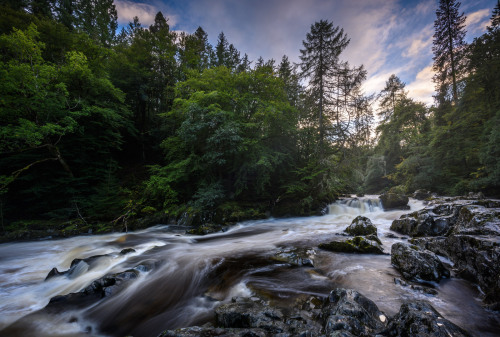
[{"x": 114, "y": 129}]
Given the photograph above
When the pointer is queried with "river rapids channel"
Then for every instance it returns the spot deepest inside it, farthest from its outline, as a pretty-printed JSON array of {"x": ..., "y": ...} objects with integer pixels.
[{"x": 182, "y": 278}]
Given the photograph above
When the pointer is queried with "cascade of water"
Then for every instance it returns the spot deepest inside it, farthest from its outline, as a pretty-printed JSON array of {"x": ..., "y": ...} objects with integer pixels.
[{"x": 356, "y": 206}]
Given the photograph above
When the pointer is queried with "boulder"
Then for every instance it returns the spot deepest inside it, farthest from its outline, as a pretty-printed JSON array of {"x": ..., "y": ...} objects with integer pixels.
[
  {"x": 416, "y": 264},
  {"x": 359, "y": 244},
  {"x": 394, "y": 201},
  {"x": 300, "y": 257},
  {"x": 361, "y": 226},
  {"x": 252, "y": 313},
  {"x": 197, "y": 331},
  {"x": 419, "y": 318},
  {"x": 476, "y": 259},
  {"x": 478, "y": 220},
  {"x": 421, "y": 194},
  {"x": 422, "y": 223},
  {"x": 350, "y": 313},
  {"x": 206, "y": 229},
  {"x": 475, "y": 195}
]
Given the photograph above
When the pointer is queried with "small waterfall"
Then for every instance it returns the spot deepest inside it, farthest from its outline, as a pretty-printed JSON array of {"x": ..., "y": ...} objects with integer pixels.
[{"x": 356, "y": 206}]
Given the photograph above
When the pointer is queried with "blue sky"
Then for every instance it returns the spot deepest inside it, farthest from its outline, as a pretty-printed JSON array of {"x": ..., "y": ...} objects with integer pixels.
[{"x": 387, "y": 36}]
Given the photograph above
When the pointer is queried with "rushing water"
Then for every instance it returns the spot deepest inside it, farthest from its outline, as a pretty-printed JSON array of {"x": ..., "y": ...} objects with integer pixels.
[{"x": 194, "y": 274}]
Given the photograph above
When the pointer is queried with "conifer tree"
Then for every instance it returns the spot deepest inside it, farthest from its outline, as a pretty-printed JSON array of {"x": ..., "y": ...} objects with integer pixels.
[
  {"x": 42, "y": 7},
  {"x": 221, "y": 50},
  {"x": 98, "y": 18},
  {"x": 65, "y": 12},
  {"x": 244, "y": 64},
  {"x": 448, "y": 48},
  {"x": 495, "y": 19},
  {"x": 320, "y": 58},
  {"x": 392, "y": 93}
]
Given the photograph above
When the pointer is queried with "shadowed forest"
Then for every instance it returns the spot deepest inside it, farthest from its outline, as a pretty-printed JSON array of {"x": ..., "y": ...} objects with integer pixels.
[{"x": 107, "y": 129}]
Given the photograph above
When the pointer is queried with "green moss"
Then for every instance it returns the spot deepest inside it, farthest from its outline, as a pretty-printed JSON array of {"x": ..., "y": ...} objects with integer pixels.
[{"x": 358, "y": 244}]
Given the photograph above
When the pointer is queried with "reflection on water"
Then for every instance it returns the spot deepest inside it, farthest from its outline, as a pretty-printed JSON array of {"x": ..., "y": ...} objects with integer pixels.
[{"x": 193, "y": 274}]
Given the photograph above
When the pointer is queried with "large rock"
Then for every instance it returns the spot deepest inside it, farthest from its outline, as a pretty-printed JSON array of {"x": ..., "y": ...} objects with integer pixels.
[
  {"x": 349, "y": 313},
  {"x": 79, "y": 266},
  {"x": 419, "y": 318},
  {"x": 477, "y": 260},
  {"x": 97, "y": 289},
  {"x": 394, "y": 201},
  {"x": 438, "y": 218},
  {"x": 416, "y": 264},
  {"x": 359, "y": 244},
  {"x": 361, "y": 226},
  {"x": 422, "y": 223},
  {"x": 300, "y": 257},
  {"x": 421, "y": 194},
  {"x": 197, "y": 331},
  {"x": 247, "y": 313},
  {"x": 478, "y": 220},
  {"x": 253, "y": 313}
]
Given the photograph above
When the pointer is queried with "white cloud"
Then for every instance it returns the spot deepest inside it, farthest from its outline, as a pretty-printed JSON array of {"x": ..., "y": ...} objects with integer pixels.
[
  {"x": 424, "y": 8},
  {"x": 477, "y": 21},
  {"x": 422, "y": 88},
  {"x": 420, "y": 44},
  {"x": 146, "y": 13}
]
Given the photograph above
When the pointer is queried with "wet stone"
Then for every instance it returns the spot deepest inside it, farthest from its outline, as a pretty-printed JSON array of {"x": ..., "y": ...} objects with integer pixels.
[
  {"x": 361, "y": 226},
  {"x": 416, "y": 264},
  {"x": 419, "y": 318},
  {"x": 358, "y": 244}
]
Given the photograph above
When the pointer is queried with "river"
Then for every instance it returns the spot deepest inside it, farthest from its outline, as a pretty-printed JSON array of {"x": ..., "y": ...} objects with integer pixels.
[{"x": 191, "y": 275}]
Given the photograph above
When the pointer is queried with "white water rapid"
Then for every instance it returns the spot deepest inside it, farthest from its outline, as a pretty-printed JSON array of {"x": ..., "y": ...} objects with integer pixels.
[{"x": 188, "y": 276}]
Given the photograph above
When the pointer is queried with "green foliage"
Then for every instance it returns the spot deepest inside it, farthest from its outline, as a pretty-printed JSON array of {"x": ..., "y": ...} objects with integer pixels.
[
  {"x": 230, "y": 140},
  {"x": 59, "y": 139}
]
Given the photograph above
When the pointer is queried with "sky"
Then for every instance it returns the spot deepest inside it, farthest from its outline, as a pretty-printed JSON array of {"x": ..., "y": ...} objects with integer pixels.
[{"x": 386, "y": 36}]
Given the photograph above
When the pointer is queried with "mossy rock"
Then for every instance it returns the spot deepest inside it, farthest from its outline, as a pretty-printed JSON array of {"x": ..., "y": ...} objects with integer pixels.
[
  {"x": 205, "y": 229},
  {"x": 394, "y": 201},
  {"x": 358, "y": 244},
  {"x": 361, "y": 226}
]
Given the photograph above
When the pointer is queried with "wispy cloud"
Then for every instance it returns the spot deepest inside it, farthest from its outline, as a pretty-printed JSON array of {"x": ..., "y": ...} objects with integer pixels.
[
  {"x": 477, "y": 21},
  {"x": 420, "y": 43},
  {"x": 422, "y": 88},
  {"x": 146, "y": 12},
  {"x": 387, "y": 36}
]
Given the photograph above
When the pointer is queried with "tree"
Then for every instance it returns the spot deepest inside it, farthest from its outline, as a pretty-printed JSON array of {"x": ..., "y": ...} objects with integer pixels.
[
  {"x": 63, "y": 124},
  {"x": 320, "y": 58},
  {"x": 42, "y": 7},
  {"x": 495, "y": 19},
  {"x": 448, "y": 48},
  {"x": 98, "y": 18},
  {"x": 290, "y": 78},
  {"x": 65, "y": 10},
  {"x": 392, "y": 93},
  {"x": 221, "y": 51}
]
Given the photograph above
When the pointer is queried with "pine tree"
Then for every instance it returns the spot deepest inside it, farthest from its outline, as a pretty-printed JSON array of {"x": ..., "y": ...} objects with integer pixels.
[
  {"x": 42, "y": 7},
  {"x": 244, "y": 64},
  {"x": 390, "y": 96},
  {"x": 288, "y": 74},
  {"x": 320, "y": 57},
  {"x": 495, "y": 19},
  {"x": 448, "y": 48},
  {"x": 65, "y": 12},
  {"x": 98, "y": 18},
  {"x": 233, "y": 57},
  {"x": 221, "y": 51}
]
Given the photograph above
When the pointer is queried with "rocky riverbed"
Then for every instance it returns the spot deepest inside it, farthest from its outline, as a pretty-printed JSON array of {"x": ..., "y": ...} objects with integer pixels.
[{"x": 431, "y": 270}]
